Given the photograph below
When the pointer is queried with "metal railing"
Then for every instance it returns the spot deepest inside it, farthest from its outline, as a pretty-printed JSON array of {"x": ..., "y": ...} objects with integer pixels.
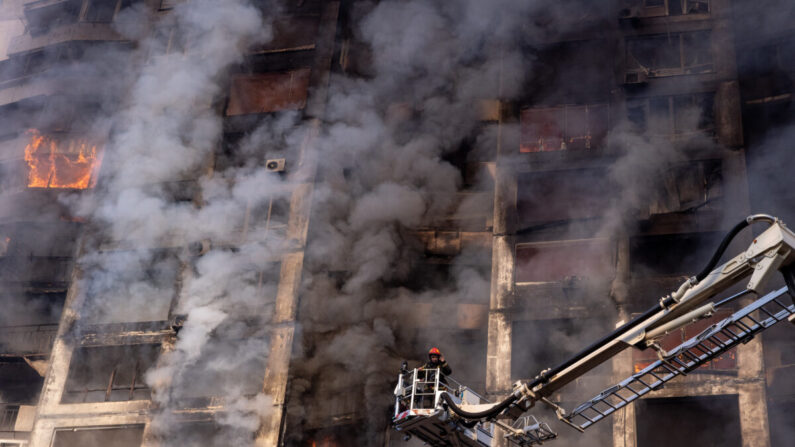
[
  {"x": 8, "y": 417},
  {"x": 31, "y": 339},
  {"x": 421, "y": 389}
]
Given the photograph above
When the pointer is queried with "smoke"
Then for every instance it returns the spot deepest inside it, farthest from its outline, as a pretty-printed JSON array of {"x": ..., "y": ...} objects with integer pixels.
[
  {"x": 163, "y": 135},
  {"x": 168, "y": 240}
]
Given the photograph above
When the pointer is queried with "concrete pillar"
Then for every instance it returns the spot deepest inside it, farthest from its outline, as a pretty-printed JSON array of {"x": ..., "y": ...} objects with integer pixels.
[
  {"x": 281, "y": 343},
  {"x": 498, "y": 362},
  {"x": 503, "y": 265},
  {"x": 624, "y": 422}
]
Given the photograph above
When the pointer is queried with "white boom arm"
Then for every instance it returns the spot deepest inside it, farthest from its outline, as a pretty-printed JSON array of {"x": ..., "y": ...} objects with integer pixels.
[{"x": 771, "y": 251}]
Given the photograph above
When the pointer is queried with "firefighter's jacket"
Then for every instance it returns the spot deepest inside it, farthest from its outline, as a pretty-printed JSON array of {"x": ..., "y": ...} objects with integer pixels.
[{"x": 443, "y": 367}]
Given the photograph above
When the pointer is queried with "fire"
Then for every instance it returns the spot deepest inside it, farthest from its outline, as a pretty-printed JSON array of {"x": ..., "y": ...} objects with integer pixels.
[
  {"x": 327, "y": 441},
  {"x": 60, "y": 164}
]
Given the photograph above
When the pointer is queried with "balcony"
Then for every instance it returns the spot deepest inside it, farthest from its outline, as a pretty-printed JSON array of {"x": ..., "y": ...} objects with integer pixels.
[
  {"x": 27, "y": 340},
  {"x": 22, "y": 88}
]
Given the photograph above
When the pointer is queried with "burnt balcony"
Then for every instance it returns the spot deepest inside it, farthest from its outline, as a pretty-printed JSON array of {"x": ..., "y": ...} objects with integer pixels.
[{"x": 32, "y": 340}]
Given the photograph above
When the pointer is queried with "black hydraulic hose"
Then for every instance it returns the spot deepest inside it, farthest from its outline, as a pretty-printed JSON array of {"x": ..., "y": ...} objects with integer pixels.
[
  {"x": 594, "y": 346},
  {"x": 724, "y": 244},
  {"x": 491, "y": 412}
]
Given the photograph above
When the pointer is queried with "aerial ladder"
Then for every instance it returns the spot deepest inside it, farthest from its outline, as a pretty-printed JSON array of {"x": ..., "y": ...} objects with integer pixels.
[{"x": 441, "y": 412}]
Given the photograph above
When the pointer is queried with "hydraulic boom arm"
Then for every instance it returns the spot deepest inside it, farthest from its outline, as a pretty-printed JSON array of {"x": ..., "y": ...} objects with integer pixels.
[{"x": 773, "y": 250}]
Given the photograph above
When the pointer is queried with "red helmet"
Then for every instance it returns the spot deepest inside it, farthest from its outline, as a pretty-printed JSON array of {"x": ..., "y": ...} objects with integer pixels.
[{"x": 434, "y": 351}]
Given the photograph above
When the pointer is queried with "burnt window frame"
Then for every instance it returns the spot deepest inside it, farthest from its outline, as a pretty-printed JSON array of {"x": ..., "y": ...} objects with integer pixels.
[
  {"x": 642, "y": 118},
  {"x": 684, "y": 47},
  {"x": 300, "y": 79},
  {"x": 566, "y": 137},
  {"x": 72, "y": 393}
]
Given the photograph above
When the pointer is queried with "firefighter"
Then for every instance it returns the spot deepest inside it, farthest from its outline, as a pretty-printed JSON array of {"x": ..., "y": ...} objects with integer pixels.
[
  {"x": 428, "y": 374},
  {"x": 436, "y": 360}
]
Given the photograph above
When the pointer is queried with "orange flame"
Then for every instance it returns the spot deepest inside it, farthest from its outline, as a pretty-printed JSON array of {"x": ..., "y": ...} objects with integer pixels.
[
  {"x": 60, "y": 164},
  {"x": 327, "y": 441}
]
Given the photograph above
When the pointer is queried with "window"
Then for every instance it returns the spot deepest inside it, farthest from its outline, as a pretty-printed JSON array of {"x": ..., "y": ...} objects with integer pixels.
[
  {"x": 691, "y": 187},
  {"x": 268, "y": 92},
  {"x": 109, "y": 373},
  {"x": 670, "y": 54},
  {"x": 555, "y": 261},
  {"x": 44, "y": 16},
  {"x": 100, "y": 11},
  {"x": 572, "y": 127},
  {"x": 681, "y": 421},
  {"x": 20, "y": 384},
  {"x": 8, "y": 417},
  {"x": 99, "y": 437},
  {"x": 105, "y": 11},
  {"x": 673, "y": 116},
  {"x": 55, "y": 161}
]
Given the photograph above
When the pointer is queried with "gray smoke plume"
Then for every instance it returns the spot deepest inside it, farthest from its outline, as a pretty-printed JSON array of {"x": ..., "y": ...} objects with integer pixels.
[{"x": 163, "y": 135}]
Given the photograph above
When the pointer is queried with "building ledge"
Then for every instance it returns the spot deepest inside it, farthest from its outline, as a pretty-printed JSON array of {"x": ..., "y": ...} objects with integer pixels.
[
  {"x": 25, "y": 88},
  {"x": 81, "y": 31}
]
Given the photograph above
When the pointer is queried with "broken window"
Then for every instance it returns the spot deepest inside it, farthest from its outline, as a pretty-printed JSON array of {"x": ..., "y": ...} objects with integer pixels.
[
  {"x": 555, "y": 261},
  {"x": 554, "y": 196},
  {"x": 56, "y": 161},
  {"x": 109, "y": 373},
  {"x": 670, "y": 54},
  {"x": 573, "y": 127},
  {"x": 128, "y": 436},
  {"x": 689, "y": 421},
  {"x": 268, "y": 92},
  {"x": 20, "y": 383},
  {"x": 673, "y": 116}
]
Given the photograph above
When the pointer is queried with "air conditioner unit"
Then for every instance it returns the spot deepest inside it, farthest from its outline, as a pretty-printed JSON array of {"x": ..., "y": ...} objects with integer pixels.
[
  {"x": 634, "y": 77},
  {"x": 275, "y": 165}
]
